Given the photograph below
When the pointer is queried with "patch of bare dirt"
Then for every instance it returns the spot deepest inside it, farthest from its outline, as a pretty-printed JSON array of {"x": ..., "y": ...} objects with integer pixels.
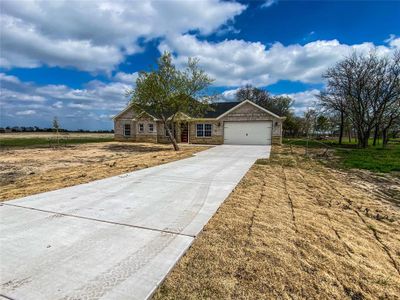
[
  {"x": 296, "y": 229},
  {"x": 34, "y": 170}
]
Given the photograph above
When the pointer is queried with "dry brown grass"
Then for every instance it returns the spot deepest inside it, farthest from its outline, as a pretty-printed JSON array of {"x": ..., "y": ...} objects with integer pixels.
[
  {"x": 34, "y": 170},
  {"x": 295, "y": 229}
]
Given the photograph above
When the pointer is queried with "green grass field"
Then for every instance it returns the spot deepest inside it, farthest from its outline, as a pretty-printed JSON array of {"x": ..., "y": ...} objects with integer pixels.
[
  {"x": 376, "y": 159},
  {"x": 46, "y": 140}
]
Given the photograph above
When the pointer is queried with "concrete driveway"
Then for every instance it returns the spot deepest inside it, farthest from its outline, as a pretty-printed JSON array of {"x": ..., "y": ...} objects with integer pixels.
[{"x": 115, "y": 238}]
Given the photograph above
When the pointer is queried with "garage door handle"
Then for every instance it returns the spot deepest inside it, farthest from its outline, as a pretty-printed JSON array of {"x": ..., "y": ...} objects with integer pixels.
[{"x": 247, "y": 134}]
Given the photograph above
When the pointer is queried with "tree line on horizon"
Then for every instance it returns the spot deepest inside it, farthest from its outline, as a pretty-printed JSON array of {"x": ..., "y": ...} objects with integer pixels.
[{"x": 47, "y": 129}]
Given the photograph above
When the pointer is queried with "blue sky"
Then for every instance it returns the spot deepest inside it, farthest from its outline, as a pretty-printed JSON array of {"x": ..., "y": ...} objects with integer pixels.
[{"x": 76, "y": 59}]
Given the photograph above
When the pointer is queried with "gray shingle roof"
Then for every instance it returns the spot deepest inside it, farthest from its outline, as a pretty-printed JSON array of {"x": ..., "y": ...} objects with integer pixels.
[{"x": 219, "y": 108}]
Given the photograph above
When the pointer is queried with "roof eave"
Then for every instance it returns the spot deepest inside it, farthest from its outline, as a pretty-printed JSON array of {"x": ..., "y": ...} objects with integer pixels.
[{"x": 252, "y": 103}]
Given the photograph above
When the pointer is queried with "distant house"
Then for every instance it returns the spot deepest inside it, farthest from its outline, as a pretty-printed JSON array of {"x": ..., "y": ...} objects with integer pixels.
[{"x": 242, "y": 123}]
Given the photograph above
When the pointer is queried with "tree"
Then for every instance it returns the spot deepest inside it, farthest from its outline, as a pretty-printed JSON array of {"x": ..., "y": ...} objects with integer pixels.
[
  {"x": 256, "y": 95},
  {"x": 334, "y": 103},
  {"x": 167, "y": 91},
  {"x": 390, "y": 118},
  {"x": 367, "y": 86},
  {"x": 56, "y": 128},
  {"x": 293, "y": 126},
  {"x": 322, "y": 124},
  {"x": 310, "y": 121},
  {"x": 56, "y": 125},
  {"x": 279, "y": 105}
]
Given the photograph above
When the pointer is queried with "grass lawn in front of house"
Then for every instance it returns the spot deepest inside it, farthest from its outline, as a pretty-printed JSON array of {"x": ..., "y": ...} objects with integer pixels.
[{"x": 373, "y": 158}]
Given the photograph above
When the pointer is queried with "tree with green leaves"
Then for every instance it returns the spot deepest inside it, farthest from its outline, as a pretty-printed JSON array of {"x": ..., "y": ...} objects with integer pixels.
[
  {"x": 322, "y": 125},
  {"x": 167, "y": 91}
]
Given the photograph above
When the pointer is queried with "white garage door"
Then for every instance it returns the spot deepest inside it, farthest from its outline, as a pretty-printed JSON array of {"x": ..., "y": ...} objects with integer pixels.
[{"x": 248, "y": 133}]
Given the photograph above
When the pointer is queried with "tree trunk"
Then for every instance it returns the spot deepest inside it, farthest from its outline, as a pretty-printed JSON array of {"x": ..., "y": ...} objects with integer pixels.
[
  {"x": 360, "y": 138},
  {"x": 341, "y": 127},
  {"x": 385, "y": 132},
  {"x": 171, "y": 137},
  {"x": 349, "y": 134},
  {"x": 376, "y": 132},
  {"x": 385, "y": 137},
  {"x": 365, "y": 139}
]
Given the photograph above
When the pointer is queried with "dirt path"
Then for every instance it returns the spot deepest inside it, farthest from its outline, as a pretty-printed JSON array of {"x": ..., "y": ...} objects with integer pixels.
[
  {"x": 30, "y": 171},
  {"x": 295, "y": 229}
]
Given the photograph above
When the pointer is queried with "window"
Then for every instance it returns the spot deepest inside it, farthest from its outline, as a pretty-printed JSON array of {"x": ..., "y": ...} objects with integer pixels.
[
  {"x": 203, "y": 130},
  {"x": 151, "y": 127},
  {"x": 141, "y": 127},
  {"x": 127, "y": 129},
  {"x": 207, "y": 129}
]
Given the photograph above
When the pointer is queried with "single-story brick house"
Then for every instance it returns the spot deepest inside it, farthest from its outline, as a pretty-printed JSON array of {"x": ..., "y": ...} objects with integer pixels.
[{"x": 228, "y": 123}]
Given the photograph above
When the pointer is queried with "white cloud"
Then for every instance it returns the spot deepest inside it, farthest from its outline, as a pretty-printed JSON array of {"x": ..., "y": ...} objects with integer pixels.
[
  {"x": 127, "y": 78},
  {"x": 8, "y": 78},
  {"x": 80, "y": 106},
  {"x": 15, "y": 95},
  {"x": 393, "y": 41},
  {"x": 268, "y": 3},
  {"x": 229, "y": 95},
  {"x": 23, "y": 46},
  {"x": 58, "y": 104},
  {"x": 238, "y": 62},
  {"x": 27, "y": 104},
  {"x": 96, "y": 36},
  {"x": 303, "y": 100},
  {"x": 25, "y": 113}
]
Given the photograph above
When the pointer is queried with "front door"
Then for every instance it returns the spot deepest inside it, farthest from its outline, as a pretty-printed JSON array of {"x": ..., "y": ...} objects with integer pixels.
[{"x": 184, "y": 133}]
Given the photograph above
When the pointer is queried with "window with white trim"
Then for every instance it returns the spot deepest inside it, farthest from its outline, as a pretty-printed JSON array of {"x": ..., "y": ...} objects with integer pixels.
[
  {"x": 203, "y": 130},
  {"x": 127, "y": 129},
  {"x": 141, "y": 127},
  {"x": 151, "y": 127}
]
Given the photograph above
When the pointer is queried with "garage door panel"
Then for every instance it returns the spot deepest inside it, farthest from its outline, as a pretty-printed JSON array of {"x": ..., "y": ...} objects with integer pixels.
[{"x": 248, "y": 133}]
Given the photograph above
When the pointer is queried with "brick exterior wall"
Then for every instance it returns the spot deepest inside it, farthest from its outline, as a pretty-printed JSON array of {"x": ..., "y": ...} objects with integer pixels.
[
  {"x": 136, "y": 136},
  {"x": 246, "y": 112},
  {"x": 277, "y": 140},
  {"x": 146, "y": 135},
  {"x": 216, "y": 137}
]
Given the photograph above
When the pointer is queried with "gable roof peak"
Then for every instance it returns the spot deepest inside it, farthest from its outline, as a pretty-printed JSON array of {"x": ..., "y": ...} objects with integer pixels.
[{"x": 252, "y": 103}]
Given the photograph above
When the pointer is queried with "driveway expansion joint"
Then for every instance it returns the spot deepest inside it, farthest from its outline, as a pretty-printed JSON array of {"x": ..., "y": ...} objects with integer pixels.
[
  {"x": 99, "y": 220},
  {"x": 6, "y": 297}
]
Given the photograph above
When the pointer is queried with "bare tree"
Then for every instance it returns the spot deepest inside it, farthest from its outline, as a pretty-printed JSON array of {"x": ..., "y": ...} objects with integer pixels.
[
  {"x": 334, "y": 102},
  {"x": 366, "y": 87},
  {"x": 390, "y": 118},
  {"x": 279, "y": 105}
]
